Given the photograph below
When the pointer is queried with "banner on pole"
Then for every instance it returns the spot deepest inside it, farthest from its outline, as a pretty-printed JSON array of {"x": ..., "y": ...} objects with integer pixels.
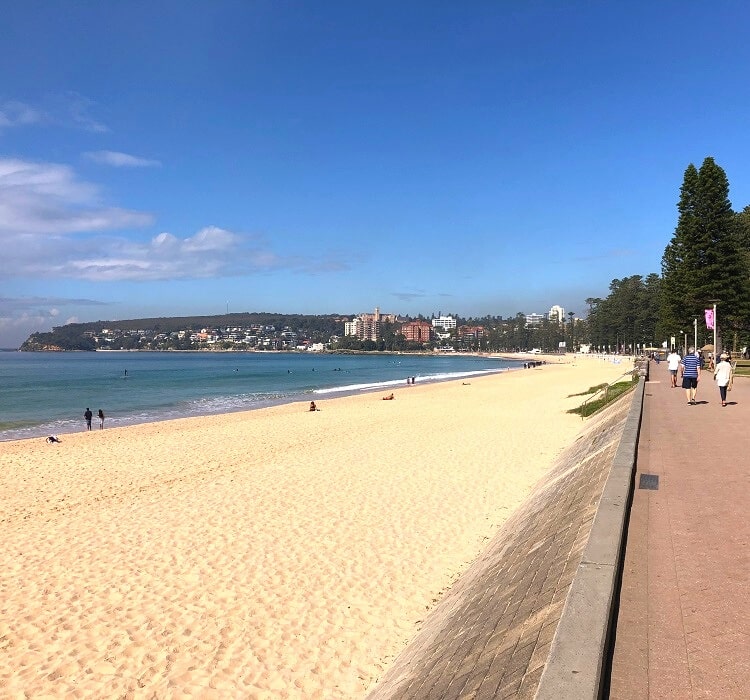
[{"x": 710, "y": 319}]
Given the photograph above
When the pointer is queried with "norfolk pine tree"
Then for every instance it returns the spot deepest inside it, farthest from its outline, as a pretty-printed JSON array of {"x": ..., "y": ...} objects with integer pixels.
[
  {"x": 679, "y": 260},
  {"x": 702, "y": 262}
]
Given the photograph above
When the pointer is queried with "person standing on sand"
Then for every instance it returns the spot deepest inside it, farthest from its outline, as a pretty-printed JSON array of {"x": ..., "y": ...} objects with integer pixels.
[
  {"x": 101, "y": 419},
  {"x": 722, "y": 375},
  {"x": 691, "y": 372},
  {"x": 673, "y": 364},
  {"x": 88, "y": 415}
]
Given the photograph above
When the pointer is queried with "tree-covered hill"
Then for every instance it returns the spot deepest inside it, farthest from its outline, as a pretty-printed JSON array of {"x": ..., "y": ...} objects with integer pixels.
[{"x": 81, "y": 336}]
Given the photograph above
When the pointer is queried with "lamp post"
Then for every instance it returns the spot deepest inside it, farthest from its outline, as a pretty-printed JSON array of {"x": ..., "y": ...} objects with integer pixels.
[
  {"x": 695, "y": 333},
  {"x": 716, "y": 325}
]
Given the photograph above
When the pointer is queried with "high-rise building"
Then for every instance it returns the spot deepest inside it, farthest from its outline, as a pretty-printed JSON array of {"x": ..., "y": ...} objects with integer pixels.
[
  {"x": 557, "y": 313},
  {"x": 367, "y": 326}
]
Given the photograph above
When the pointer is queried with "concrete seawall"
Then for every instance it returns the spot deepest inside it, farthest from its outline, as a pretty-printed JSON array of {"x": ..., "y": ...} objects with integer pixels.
[{"x": 531, "y": 616}]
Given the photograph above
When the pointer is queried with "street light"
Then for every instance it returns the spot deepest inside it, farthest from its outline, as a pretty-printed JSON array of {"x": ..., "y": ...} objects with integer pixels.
[
  {"x": 716, "y": 325},
  {"x": 695, "y": 332}
]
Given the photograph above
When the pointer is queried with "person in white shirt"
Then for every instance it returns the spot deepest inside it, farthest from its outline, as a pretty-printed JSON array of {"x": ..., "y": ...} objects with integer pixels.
[
  {"x": 673, "y": 364},
  {"x": 723, "y": 375}
]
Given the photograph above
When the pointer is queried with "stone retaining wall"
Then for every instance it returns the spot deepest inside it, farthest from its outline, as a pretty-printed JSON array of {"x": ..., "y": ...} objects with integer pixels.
[{"x": 532, "y": 613}]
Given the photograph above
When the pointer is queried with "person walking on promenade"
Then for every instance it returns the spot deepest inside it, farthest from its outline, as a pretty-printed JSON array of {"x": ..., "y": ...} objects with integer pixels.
[
  {"x": 722, "y": 375},
  {"x": 673, "y": 364},
  {"x": 691, "y": 372},
  {"x": 101, "y": 419},
  {"x": 88, "y": 415}
]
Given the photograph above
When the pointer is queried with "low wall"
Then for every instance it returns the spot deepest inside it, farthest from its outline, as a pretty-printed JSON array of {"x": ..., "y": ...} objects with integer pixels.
[{"x": 531, "y": 616}]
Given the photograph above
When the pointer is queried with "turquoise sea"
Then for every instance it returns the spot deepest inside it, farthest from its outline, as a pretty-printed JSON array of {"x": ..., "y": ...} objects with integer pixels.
[{"x": 46, "y": 393}]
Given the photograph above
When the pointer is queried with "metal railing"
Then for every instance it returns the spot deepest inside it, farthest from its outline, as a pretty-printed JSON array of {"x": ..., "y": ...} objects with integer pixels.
[{"x": 640, "y": 370}]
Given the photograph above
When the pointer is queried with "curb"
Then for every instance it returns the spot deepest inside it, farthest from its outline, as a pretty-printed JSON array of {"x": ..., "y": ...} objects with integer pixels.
[{"x": 577, "y": 658}]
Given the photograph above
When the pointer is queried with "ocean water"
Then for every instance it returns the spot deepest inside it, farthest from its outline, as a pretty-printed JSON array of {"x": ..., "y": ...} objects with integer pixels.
[{"x": 46, "y": 393}]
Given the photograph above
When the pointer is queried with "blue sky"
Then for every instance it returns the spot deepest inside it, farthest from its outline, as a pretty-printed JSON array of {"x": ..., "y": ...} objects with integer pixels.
[{"x": 172, "y": 158}]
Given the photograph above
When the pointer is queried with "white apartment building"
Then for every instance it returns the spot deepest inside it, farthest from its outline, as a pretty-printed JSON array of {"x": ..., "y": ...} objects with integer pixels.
[
  {"x": 557, "y": 313},
  {"x": 444, "y": 322},
  {"x": 353, "y": 327},
  {"x": 534, "y": 319}
]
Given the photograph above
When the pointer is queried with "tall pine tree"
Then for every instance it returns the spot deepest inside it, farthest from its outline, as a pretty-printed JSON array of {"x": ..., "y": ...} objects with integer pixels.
[
  {"x": 702, "y": 262},
  {"x": 679, "y": 261}
]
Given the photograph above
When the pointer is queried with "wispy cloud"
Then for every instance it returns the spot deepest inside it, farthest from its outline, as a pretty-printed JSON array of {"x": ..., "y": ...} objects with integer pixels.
[
  {"x": 15, "y": 329},
  {"x": 54, "y": 225},
  {"x": 15, "y": 113},
  {"x": 10, "y": 305},
  {"x": 208, "y": 253},
  {"x": 70, "y": 110},
  {"x": 121, "y": 160},
  {"x": 74, "y": 109},
  {"x": 22, "y": 316},
  {"x": 409, "y": 296},
  {"x": 48, "y": 199}
]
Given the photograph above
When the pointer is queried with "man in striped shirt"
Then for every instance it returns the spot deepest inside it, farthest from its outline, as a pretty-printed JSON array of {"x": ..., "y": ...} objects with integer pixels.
[{"x": 691, "y": 372}]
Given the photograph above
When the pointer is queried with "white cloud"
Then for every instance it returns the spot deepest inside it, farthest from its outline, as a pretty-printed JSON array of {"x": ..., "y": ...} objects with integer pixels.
[
  {"x": 20, "y": 317},
  {"x": 70, "y": 110},
  {"x": 15, "y": 329},
  {"x": 54, "y": 225},
  {"x": 121, "y": 160},
  {"x": 212, "y": 251},
  {"x": 48, "y": 198},
  {"x": 15, "y": 113},
  {"x": 73, "y": 109}
]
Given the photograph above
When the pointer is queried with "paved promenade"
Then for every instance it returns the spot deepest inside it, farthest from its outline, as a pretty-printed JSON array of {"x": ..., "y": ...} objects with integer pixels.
[{"x": 683, "y": 629}]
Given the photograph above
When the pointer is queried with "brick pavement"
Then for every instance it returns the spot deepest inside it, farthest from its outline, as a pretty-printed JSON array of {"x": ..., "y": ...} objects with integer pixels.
[
  {"x": 491, "y": 635},
  {"x": 683, "y": 627}
]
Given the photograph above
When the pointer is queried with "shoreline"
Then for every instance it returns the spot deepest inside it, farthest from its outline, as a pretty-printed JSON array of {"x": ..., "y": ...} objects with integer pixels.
[
  {"x": 260, "y": 401},
  {"x": 271, "y": 553}
]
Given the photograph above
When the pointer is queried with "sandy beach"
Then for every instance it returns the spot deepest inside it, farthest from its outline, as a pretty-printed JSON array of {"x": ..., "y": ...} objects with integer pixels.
[{"x": 271, "y": 554}]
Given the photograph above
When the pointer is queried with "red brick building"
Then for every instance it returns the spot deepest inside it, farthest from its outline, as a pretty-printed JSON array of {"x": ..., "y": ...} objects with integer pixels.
[
  {"x": 417, "y": 331},
  {"x": 470, "y": 332}
]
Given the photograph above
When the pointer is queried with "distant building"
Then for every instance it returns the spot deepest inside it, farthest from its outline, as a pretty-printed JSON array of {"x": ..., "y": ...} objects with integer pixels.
[
  {"x": 367, "y": 326},
  {"x": 557, "y": 314},
  {"x": 417, "y": 331},
  {"x": 445, "y": 322},
  {"x": 534, "y": 319},
  {"x": 353, "y": 327},
  {"x": 471, "y": 332}
]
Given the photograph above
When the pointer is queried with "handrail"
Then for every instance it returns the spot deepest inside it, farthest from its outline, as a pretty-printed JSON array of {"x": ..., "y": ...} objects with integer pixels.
[{"x": 631, "y": 372}]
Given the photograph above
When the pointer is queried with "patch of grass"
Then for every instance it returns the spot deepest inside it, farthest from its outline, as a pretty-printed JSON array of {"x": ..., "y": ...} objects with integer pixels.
[
  {"x": 590, "y": 390},
  {"x": 607, "y": 397}
]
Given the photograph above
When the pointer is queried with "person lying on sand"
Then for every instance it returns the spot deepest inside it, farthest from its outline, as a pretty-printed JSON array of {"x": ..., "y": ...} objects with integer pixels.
[{"x": 388, "y": 398}]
